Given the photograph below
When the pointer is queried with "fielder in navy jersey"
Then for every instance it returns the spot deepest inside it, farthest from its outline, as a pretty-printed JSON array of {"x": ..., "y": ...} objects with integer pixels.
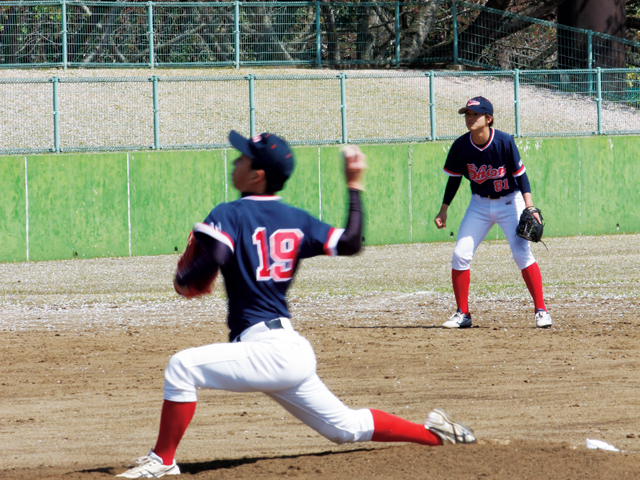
[
  {"x": 500, "y": 190},
  {"x": 257, "y": 243}
]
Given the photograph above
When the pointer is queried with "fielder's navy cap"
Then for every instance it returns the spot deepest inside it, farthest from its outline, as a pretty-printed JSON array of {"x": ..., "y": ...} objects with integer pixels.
[
  {"x": 478, "y": 105},
  {"x": 268, "y": 152}
]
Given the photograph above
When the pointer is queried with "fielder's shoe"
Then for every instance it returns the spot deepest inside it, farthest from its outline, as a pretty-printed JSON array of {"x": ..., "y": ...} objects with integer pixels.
[
  {"x": 150, "y": 467},
  {"x": 458, "y": 320},
  {"x": 543, "y": 319},
  {"x": 449, "y": 431}
]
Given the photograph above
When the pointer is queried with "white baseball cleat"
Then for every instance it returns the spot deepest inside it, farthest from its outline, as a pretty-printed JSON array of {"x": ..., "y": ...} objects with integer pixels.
[
  {"x": 543, "y": 319},
  {"x": 150, "y": 466},
  {"x": 458, "y": 320},
  {"x": 449, "y": 431}
]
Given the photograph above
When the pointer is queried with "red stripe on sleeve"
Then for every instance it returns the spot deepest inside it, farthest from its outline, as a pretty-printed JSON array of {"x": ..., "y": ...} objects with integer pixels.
[
  {"x": 453, "y": 174},
  {"x": 519, "y": 172},
  {"x": 327, "y": 250}
]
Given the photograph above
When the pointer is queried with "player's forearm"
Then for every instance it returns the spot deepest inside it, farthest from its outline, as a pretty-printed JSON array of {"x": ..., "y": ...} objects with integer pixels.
[
  {"x": 528, "y": 200},
  {"x": 523, "y": 183},
  {"x": 351, "y": 240},
  {"x": 453, "y": 184}
]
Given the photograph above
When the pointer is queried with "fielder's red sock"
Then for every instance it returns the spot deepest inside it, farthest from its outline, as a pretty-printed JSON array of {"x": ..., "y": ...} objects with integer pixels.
[
  {"x": 389, "y": 428},
  {"x": 461, "y": 280},
  {"x": 174, "y": 420},
  {"x": 533, "y": 279}
]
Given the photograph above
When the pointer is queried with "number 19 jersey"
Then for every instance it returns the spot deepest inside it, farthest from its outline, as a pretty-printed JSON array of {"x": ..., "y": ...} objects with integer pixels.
[{"x": 267, "y": 238}]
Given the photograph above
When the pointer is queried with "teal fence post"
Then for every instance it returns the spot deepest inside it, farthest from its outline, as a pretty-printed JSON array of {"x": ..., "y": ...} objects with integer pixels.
[
  {"x": 156, "y": 114},
  {"x": 252, "y": 105},
  {"x": 236, "y": 31},
  {"x": 599, "y": 98},
  {"x": 343, "y": 107},
  {"x": 397, "y": 34},
  {"x": 432, "y": 105},
  {"x": 56, "y": 116},
  {"x": 590, "y": 59},
  {"x": 150, "y": 33},
  {"x": 64, "y": 35},
  {"x": 516, "y": 98},
  {"x": 318, "y": 36},
  {"x": 454, "y": 17}
]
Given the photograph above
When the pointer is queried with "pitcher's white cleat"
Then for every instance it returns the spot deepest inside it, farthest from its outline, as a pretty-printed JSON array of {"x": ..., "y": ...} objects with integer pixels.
[
  {"x": 543, "y": 319},
  {"x": 447, "y": 429},
  {"x": 150, "y": 466}
]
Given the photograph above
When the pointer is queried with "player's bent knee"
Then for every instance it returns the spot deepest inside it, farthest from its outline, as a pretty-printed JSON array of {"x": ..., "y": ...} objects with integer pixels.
[
  {"x": 523, "y": 259},
  {"x": 178, "y": 384},
  {"x": 460, "y": 261},
  {"x": 357, "y": 427}
]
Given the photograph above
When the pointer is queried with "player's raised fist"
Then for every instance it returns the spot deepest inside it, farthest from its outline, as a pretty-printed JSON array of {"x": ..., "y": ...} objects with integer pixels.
[{"x": 355, "y": 163}]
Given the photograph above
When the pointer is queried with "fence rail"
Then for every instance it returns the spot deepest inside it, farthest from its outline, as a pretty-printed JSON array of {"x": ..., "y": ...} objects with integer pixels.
[
  {"x": 196, "y": 112},
  {"x": 69, "y": 33}
]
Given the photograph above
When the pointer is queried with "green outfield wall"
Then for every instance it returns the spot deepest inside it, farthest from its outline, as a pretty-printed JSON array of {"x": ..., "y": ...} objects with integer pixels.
[{"x": 145, "y": 203}]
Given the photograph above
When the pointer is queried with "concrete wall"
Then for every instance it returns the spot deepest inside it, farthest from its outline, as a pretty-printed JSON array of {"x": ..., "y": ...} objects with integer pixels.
[{"x": 144, "y": 203}]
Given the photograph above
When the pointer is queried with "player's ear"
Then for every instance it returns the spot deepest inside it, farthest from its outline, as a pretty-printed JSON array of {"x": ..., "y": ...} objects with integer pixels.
[{"x": 258, "y": 177}]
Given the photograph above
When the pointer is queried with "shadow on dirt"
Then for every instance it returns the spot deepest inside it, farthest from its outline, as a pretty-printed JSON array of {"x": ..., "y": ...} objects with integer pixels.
[{"x": 195, "y": 468}]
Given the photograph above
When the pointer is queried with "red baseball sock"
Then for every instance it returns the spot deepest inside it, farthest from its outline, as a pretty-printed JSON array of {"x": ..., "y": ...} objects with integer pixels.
[
  {"x": 533, "y": 279},
  {"x": 389, "y": 428},
  {"x": 174, "y": 420},
  {"x": 461, "y": 280}
]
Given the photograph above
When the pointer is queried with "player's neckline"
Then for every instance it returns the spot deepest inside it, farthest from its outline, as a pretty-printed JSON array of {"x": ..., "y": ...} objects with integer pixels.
[
  {"x": 262, "y": 198},
  {"x": 486, "y": 145}
]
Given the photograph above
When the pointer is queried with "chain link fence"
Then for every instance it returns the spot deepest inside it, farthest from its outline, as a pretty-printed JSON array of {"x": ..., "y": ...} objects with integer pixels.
[
  {"x": 197, "y": 112},
  {"x": 68, "y": 33}
]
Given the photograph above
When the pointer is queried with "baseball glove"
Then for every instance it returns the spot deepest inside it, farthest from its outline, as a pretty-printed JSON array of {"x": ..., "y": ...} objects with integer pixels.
[
  {"x": 528, "y": 227},
  {"x": 188, "y": 260}
]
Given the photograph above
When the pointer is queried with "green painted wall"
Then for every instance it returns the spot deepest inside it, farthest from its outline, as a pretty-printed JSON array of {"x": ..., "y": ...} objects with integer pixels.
[
  {"x": 77, "y": 206},
  {"x": 170, "y": 191},
  {"x": 553, "y": 168},
  {"x": 334, "y": 193},
  {"x": 626, "y": 185},
  {"x": 13, "y": 211},
  {"x": 145, "y": 203},
  {"x": 303, "y": 188},
  {"x": 387, "y": 214}
]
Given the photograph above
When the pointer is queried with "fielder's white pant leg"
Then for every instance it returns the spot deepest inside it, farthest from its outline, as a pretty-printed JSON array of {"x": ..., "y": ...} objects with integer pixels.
[
  {"x": 273, "y": 360},
  {"x": 314, "y": 404},
  {"x": 474, "y": 228},
  {"x": 507, "y": 214}
]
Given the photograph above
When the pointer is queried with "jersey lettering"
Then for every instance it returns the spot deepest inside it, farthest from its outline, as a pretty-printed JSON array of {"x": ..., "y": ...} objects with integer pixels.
[
  {"x": 484, "y": 173},
  {"x": 283, "y": 248},
  {"x": 500, "y": 185},
  {"x": 284, "y": 251},
  {"x": 259, "y": 238}
]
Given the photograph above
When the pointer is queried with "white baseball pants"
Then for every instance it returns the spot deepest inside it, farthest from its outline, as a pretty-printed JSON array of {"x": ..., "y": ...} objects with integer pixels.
[
  {"x": 482, "y": 214},
  {"x": 280, "y": 363}
]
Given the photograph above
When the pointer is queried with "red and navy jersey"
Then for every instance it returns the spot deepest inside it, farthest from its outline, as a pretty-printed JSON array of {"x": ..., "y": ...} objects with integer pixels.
[
  {"x": 491, "y": 169},
  {"x": 268, "y": 238}
]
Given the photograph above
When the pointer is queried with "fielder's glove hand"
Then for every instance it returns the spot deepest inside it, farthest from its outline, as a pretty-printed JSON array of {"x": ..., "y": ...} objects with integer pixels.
[
  {"x": 200, "y": 280},
  {"x": 529, "y": 228}
]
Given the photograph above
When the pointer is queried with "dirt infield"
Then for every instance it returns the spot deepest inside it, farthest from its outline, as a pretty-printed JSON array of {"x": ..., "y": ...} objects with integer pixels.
[{"x": 84, "y": 344}]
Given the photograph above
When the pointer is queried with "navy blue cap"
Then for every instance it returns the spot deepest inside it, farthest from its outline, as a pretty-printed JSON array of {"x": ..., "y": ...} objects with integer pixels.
[
  {"x": 478, "y": 105},
  {"x": 268, "y": 152}
]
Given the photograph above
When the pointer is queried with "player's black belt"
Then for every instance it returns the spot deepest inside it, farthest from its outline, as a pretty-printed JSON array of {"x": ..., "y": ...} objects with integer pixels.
[{"x": 274, "y": 324}]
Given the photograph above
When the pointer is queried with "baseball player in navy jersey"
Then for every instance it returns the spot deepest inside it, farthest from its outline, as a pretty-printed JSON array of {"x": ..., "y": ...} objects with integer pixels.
[
  {"x": 500, "y": 192},
  {"x": 257, "y": 243}
]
